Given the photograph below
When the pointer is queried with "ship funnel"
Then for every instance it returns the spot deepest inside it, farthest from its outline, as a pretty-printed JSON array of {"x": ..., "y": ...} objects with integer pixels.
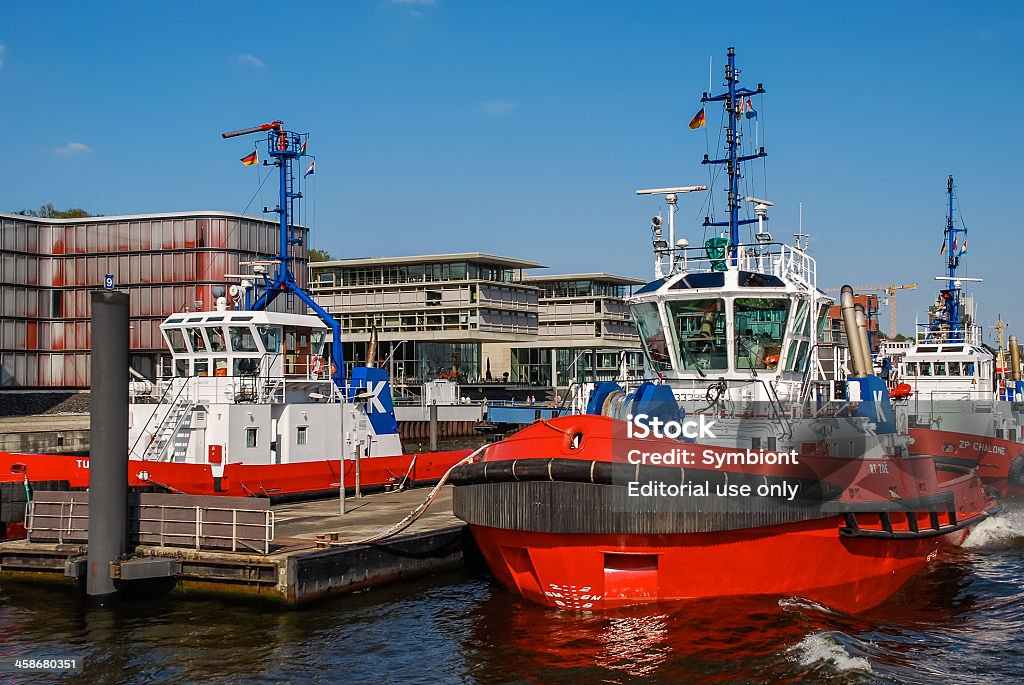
[
  {"x": 371, "y": 347},
  {"x": 865, "y": 341},
  {"x": 853, "y": 339},
  {"x": 1015, "y": 358}
]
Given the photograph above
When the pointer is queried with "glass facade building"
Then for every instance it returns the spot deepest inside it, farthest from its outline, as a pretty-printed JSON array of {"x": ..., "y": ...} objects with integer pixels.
[
  {"x": 431, "y": 313},
  {"x": 479, "y": 319},
  {"x": 586, "y": 333},
  {"x": 167, "y": 263}
]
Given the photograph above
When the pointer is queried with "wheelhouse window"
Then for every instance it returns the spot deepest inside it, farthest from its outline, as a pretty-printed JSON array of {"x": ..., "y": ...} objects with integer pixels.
[
  {"x": 760, "y": 324},
  {"x": 246, "y": 366},
  {"x": 926, "y": 368},
  {"x": 195, "y": 336},
  {"x": 939, "y": 368},
  {"x": 251, "y": 436},
  {"x": 242, "y": 339},
  {"x": 652, "y": 334},
  {"x": 954, "y": 368},
  {"x": 201, "y": 367},
  {"x": 318, "y": 338},
  {"x": 911, "y": 369},
  {"x": 698, "y": 327},
  {"x": 271, "y": 336},
  {"x": 176, "y": 339},
  {"x": 216, "y": 335}
]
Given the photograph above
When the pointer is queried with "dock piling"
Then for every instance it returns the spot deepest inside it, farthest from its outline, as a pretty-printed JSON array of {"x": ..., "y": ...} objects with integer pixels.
[
  {"x": 433, "y": 427},
  {"x": 108, "y": 439}
]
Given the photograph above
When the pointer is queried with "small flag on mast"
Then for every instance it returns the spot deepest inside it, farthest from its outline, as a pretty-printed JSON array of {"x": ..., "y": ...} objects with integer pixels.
[
  {"x": 698, "y": 119},
  {"x": 942, "y": 250},
  {"x": 302, "y": 150},
  {"x": 311, "y": 169},
  {"x": 963, "y": 248},
  {"x": 249, "y": 160},
  {"x": 751, "y": 112}
]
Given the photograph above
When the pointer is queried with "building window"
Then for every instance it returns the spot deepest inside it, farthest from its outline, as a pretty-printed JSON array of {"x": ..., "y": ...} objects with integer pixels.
[
  {"x": 251, "y": 435},
  {"x": 300, "y": 435}
]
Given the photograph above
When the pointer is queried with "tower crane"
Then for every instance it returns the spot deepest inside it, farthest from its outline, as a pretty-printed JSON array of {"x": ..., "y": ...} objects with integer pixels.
[{"x": 890, "y": 291}]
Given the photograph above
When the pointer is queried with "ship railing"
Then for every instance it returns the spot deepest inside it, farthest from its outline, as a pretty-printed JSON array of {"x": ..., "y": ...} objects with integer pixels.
[
  {"x": 970, "y": 334},
  {"x": 718, "y": 396},
  {"x": 774, "y": 259},
  {"x": 816, "y": 375},
  {"x": 932, "y": 406}
]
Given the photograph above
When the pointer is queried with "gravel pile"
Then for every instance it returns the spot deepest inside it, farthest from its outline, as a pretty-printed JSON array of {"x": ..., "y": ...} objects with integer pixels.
[{"x": 32, "y": 403}]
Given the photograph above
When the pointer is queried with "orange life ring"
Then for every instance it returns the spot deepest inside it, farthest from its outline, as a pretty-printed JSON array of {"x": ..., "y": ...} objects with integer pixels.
[{"x": 317, "y": 365}]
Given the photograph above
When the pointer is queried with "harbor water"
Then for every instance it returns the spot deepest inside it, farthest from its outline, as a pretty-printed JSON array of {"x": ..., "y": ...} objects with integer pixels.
[{"x": 960, "y": 620}]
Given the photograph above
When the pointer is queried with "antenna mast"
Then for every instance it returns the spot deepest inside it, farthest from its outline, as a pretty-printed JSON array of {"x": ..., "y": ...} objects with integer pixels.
[
  {"x": 284, "y": 147},
  {"x": 952, "y": 296},
  {"x": 732, "y": 99}
]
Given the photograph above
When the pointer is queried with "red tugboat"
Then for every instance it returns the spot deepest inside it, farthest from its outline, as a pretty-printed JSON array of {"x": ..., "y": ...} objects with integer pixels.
[
  {"x": 259, "y": 403},
  {"x": 741, "y": 470}
]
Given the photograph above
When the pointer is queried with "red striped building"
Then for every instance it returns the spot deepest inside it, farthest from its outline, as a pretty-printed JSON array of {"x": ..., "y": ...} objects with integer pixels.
[{"x": 167, "y": 263}]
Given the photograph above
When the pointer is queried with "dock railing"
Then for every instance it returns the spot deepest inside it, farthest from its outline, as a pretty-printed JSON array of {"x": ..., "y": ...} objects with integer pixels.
[{"x": 179, "y": 521}]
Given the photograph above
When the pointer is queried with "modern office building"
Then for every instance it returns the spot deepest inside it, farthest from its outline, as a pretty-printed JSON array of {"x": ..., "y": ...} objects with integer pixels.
[
  {"x": 479, "y": 319},
  {"x": 166, "y": 262},
  {"x": 431, "y": 313},
  {"x": 585, "y": 332}
]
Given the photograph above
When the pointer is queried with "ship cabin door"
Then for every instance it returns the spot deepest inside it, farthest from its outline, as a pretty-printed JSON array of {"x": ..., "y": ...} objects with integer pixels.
[{"x": 297, "y": 343}]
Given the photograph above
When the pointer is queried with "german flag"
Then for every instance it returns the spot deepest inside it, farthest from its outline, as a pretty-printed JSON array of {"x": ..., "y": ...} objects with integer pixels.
[
  {"x": 249, "y": 160},
  {"x": 698, "y": 119}
]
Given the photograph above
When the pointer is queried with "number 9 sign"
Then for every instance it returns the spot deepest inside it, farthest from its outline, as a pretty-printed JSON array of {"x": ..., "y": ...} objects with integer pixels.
[{"x": 108, "y": 282}]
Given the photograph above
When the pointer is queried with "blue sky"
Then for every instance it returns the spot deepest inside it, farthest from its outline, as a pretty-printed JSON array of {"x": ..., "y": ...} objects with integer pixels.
[{"x": 523, "y": 128}]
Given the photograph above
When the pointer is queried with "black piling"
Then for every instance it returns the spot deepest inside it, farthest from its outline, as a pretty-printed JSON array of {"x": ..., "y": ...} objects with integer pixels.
[
  {"x": 433, "y": 427},
  {"x": 108, "y": 462}
]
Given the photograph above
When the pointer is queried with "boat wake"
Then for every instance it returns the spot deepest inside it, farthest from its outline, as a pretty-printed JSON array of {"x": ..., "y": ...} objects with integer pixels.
[
  {"x": 825, "y": 650},
  {"x": 804, "y": 606},
  {"x": 997, "y": 532}
]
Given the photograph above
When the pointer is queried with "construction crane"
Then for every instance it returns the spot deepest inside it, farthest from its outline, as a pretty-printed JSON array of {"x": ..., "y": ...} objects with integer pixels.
[
  {"x": 890, "y": 291},
  {"x": 1001, "y": 327}
]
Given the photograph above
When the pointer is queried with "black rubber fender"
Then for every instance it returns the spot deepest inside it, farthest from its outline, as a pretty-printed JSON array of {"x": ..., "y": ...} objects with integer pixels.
[{"x": 1016, "y": 473}]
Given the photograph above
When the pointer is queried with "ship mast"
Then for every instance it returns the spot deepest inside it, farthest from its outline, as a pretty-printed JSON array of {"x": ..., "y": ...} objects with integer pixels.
[
  {"x": 285, "y": 147},
  {"x": 950, "y": 325},
  {"x": 732, "y": 98}
]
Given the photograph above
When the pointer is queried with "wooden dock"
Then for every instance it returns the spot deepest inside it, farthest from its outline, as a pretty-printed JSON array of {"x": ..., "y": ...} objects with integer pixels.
[{"x": 297, "y": 568}]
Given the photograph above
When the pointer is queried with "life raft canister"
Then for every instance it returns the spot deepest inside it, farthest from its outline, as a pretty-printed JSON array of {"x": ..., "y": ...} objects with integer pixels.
[{"x": 901, "y": 392}]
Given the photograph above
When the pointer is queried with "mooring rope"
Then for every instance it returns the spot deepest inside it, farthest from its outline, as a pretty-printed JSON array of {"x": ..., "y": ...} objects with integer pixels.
[{"x": 412, "y": 517}]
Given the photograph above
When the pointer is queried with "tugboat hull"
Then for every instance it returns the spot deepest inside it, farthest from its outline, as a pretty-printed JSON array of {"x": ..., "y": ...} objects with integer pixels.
[
  {"x": 556, "y": 521},
  {"x": 1000, "y": 462},
  {"x": 277, "y": 481},
  {"x": 808, "y": 559}
]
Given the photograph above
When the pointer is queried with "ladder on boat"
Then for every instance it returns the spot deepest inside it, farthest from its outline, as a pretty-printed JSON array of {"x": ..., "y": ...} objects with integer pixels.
[{"x": 168, "y": 432}]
